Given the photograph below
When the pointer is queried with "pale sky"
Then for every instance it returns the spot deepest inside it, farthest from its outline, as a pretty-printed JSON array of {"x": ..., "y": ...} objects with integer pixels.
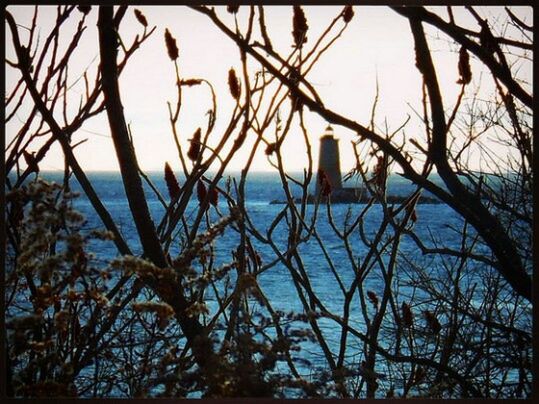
[{"x": 377, "y": 43}]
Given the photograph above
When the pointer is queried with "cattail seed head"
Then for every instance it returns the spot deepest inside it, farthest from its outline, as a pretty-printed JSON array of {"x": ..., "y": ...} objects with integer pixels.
[
  {"x": 234, "y": 84},
  {"x": 141, "y": 18},
  {"x": 348, "y": 14},
  {"x": 172, "y": 48},
  {"x": 172, "y": 182},
  {"x": 299, "y": 27}
]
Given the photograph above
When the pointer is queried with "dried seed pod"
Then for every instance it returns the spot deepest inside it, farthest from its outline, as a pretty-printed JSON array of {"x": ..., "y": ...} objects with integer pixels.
[
  {"x": 299, "y": 27},
  {"x": 270, "y": 149},
  {"x": 379, "y": 172},
  {"x": 407, "y": 315},
  {"x": 172, "y": 48},
  {"x": 172, "y": 183},
  {"x": 464, "y": 67},
  {"x": 323, "y": 180},
  {"x": 201, "y": 191},
  {"x": 373, "y": 298},
  {"x": 238, "y": 142},
  {"x": 194, "y": 151},
  {"x": 140, "y": 17},
  {"x": 214, "y": 196},
  {"x": 348, "y": 14},
  {"x": 232, "y": 8},
  {"x": 488, "y": 42},
  {"x": 190, "y": 82},
  {"x": 84, "y": 9},
  {"x": 432, "y": 322},
  {"x": 234, "y": 84}
]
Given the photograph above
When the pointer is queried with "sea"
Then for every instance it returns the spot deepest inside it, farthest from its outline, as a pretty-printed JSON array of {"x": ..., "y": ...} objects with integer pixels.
[{"x": 436, "y": 225}]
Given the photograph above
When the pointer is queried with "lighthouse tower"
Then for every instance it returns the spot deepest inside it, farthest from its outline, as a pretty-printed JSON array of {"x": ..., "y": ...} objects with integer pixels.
[{"x": 329, "y": 161}]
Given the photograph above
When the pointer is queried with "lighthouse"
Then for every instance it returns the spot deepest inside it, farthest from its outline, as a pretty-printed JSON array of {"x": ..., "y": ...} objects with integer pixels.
[
  {"x": 329, "y": 166},
  {"x": 329, "y": 160}
]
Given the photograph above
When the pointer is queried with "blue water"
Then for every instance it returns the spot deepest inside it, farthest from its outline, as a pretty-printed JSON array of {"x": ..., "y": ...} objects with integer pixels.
[{"x": 434, "y": 222}]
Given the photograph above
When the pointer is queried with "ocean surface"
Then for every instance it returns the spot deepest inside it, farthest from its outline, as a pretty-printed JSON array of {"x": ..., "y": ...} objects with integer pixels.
[
  {"x": 434, "y": 220},
  {"x": 435, "y": 223}
]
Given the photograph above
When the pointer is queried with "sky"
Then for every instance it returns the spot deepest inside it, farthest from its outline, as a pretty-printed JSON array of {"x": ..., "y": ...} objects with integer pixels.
[{"x": 377, "y": 45}]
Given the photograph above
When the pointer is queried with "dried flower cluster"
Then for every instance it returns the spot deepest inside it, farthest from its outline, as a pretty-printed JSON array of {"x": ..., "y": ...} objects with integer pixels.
[
  {"x": 487, "y": 40},
  {"x": 196, "y": 309},
  {"x": 140, "y": 17},
  {"x": 195, "y": 149},
  {"x": 432, "y": 322},
  {"x": 130, "y": 264},
  {"x": 234, "y": 84},
  {"x": 465, "y": 71},
  {"x": 325, "y": 185},
  {"x": 59, "y": 287},
  {"x": 270, "y": 149},
  {"x": 172, "y": 183},
  {"x": 232, "y": 8},
  {"x": 84, "y": 9},
  {"x": 241, "y": 137},
  {"x": 407, "y": 315},
  {"x": 170, "y": 43},
  {"x": 163, "y": 311},
  {"x": 201, "y": 191},
  {"x": 348, "y": 14},
  {"x": 214, "y": 196},
  {"x": 189, "y": 254},
  {"x": 373, "y": 298},
  {"x": 190, "y": 82},
  {"x": 379, "y": 173},
  {"x": 299, "y": 27}
]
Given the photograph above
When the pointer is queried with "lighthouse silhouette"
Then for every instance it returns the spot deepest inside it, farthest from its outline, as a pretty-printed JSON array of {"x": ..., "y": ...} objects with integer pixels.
[{"x": 329, "y": 160}]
